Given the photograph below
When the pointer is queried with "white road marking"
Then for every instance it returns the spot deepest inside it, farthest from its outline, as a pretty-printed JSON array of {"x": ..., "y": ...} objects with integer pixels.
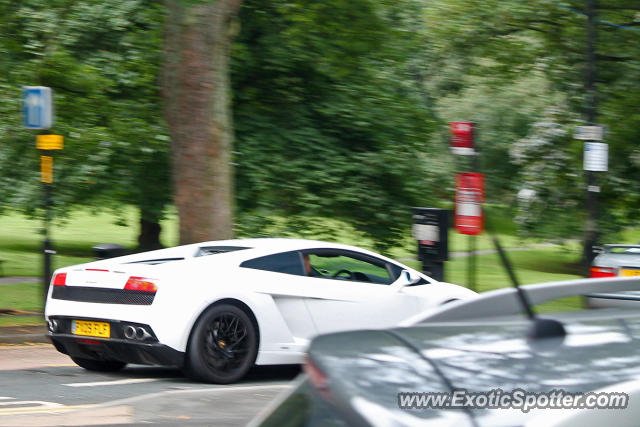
[
  {"x": 28, "y": 406},
  {"x": 116, "y": 382},
  {"x": 38, "y": 403},
  {"x": 6, "y": 398}
]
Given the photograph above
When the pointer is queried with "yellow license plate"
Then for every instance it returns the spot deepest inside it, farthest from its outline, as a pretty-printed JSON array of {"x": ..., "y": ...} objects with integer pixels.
[
  {"x": 91, "y": 329},
  {"x": 629, "y": 272}
]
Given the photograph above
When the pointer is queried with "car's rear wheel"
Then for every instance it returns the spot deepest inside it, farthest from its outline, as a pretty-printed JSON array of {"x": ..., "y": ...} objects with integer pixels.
[
  {"x": 99, "y": 365},
  {"x": 223, "y": 345}
]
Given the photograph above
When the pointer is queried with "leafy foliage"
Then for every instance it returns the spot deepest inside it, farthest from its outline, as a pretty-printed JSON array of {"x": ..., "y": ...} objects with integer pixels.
[
  {"x": 551, "y": 192},
  {"x": 101, "y": 60},
  {"x": 327, "y": 121},
  {"x": 514, "y": 62},
  {"x": 340, "y": 108}
]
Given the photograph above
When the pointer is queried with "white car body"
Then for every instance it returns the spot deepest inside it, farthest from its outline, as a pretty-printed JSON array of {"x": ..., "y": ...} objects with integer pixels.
[{"x": 289, "y": 309}]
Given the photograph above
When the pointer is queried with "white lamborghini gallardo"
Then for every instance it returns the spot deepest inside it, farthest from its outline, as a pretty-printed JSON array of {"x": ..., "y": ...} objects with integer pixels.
[{"x": 217, "y": 308}]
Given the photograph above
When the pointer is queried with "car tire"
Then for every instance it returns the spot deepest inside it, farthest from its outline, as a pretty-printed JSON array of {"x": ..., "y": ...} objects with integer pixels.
[
  {"x": 223, "y": 345},
  {"x": 99, "y": 365}
]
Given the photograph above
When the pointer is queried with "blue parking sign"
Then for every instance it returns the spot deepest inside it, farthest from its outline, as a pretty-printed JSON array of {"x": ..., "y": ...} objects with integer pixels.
[{"x": 37, "y": 107}]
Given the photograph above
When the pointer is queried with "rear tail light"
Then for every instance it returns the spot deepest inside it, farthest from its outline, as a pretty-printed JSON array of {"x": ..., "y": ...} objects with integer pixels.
[
  {"x": 140, "y": 284},
  {"x": 317, "y": 378},
  {"x": 60, "y": 279},
  {"x": 595, "y": 272}
]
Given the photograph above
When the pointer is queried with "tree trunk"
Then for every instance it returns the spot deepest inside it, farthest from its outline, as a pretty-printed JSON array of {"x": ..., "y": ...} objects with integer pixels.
[
  {"x": 149, "y": 237},
  {"x": 196, "y": 89}
]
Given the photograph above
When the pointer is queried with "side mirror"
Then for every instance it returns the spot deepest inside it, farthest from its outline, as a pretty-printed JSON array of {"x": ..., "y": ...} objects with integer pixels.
[{"x": 407, "y": 278}]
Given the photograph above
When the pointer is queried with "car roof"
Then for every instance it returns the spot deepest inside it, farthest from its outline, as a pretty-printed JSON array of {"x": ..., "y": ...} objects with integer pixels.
[
  {"x": 269, "y": 245},
  {"x": 278, "y": 244},
  {"x": 252, "y": 248}
]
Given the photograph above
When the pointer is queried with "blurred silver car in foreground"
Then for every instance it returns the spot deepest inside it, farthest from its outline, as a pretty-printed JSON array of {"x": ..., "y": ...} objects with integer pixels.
[{"x": 484, "y": 345}]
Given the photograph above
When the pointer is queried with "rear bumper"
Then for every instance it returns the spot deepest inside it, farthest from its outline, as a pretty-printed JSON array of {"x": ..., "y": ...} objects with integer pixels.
[
  {"x": 116, "y": 349},
  {"x": 144, "y": 350}
]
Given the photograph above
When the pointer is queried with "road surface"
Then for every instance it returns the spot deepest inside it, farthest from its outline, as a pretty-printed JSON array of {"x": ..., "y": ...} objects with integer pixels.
[{"x": 41, "y": 387}]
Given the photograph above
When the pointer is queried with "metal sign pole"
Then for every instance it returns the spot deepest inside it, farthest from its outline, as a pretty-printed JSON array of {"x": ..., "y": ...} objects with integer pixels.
[
  {"x": 591, "y": 229},
  {"x": 472, "y": 241},
  {"x": 46, "y": 244},
  {"x": 471, "y": 264},
  {"x": 37, "y": 104},
  {"x": 47, "y": 143},
  {"x": 469, "y": 218}
]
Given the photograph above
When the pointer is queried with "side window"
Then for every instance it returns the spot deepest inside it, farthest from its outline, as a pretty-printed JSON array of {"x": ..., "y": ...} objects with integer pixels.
[
  {"x": 286, "y": 262},
  {"x": 343, "y": 266}
]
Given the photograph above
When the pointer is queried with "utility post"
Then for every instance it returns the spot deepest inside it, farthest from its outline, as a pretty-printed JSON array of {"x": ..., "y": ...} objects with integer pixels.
[
  {"x": 47, "y": 143},
  {"x": 469, "y": 197},
  {"x": 46, "y": 178},
  {"x": 38, "y": 115},
  {"x": 591, "y": 228}
]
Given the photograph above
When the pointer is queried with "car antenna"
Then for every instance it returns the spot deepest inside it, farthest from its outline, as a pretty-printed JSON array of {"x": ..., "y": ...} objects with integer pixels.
[{"x": 540, "y": 328}]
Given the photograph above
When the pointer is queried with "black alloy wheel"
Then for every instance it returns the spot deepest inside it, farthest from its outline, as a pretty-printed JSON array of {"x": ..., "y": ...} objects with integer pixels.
[
  {"x": 223, "y": 345},
  {"x": 99, "y": 365}
]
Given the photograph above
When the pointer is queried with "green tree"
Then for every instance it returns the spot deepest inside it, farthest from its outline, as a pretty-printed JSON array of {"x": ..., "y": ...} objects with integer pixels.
[
  {"x": 101, "y": 59},
  {"x": 196, "y": 90},
  {"x": 499, "y": 43},
  {"x": 329, "y": 119}
]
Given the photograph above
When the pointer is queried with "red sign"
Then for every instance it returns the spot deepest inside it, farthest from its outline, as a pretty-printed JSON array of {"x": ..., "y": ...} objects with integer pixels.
[
  {"x": 469, "y": 218},
  {"x": 461, "y": 134}
]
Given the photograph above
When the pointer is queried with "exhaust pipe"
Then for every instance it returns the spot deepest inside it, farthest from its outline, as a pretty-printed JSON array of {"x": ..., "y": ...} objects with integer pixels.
[
  {"x": 129, "y": 332},
  {"x": 142, "y": 334}
]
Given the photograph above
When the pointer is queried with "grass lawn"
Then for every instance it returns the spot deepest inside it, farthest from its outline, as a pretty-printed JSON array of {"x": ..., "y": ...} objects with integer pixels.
[
  {"x": 20, "y": 246},
  {"x": 73, "y": 238},
  {"x": 546, "y": 264},
  {"x": 532, "y": 266},
  {"x": 21, "y": 297}
]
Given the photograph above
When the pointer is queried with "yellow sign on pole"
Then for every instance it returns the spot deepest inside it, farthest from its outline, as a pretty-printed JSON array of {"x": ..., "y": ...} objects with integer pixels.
[
  {"x": 50, "y": 142},
  {"x": 46, "y": 169}
]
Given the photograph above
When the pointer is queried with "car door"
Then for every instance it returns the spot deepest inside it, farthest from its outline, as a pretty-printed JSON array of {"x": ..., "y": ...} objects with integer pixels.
[
  {"x": 279, "y": 275},
  {"x": 351, "y": 290}
]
